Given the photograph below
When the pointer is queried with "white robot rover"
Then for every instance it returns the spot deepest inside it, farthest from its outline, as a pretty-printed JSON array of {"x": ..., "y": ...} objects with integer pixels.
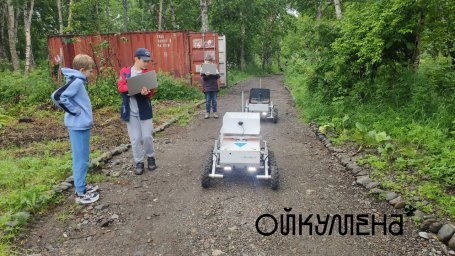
[
  {"x": 259, "y": 101},
  {"x": 239, "y": 148}
]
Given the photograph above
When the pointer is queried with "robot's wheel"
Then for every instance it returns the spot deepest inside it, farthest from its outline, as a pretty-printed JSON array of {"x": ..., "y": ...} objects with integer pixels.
[
  {"x": 205, "y": 179},
  {"x": 275, "y": 181},
  {"x": 275, "y": 115}
]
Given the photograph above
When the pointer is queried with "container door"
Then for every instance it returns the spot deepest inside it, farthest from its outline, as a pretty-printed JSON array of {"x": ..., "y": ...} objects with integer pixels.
[
  {"x": 222, "y": 60},
  {"x": 202, "y": 45}
]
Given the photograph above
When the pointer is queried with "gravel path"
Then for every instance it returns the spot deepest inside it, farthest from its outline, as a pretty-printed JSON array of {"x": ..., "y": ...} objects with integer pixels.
[{"x": 166, "y": 212}]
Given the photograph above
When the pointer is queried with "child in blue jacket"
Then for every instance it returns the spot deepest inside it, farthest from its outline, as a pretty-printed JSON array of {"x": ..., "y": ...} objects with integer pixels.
[{"x": 79, "y": 121}]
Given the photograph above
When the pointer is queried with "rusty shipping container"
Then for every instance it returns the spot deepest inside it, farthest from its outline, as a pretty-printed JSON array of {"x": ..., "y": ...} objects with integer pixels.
[{"x": 178, "y": 52}]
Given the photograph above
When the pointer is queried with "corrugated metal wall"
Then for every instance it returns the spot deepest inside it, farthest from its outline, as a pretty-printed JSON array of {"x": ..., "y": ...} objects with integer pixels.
[
  {"x": 177, "y": 52},
  {"x": 202, "y": 45}
]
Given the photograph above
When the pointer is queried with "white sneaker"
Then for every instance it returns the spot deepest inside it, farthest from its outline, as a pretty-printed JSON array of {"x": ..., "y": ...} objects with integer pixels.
[
  {"x": 215, "y": 115},
  {"x": 91, "y": 188},
  {"x": 207, "y": 115},
  {"x": 87, "y": 198}
]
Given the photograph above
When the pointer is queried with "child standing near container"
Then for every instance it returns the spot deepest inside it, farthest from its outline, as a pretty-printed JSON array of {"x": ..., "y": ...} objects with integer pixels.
[{"x": 211, "y": 88}]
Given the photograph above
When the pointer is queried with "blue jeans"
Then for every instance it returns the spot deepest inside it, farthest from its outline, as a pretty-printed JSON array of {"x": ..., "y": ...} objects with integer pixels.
[
  {"x": 80, "y": 151},
  {"x": 210, "y": 97}
]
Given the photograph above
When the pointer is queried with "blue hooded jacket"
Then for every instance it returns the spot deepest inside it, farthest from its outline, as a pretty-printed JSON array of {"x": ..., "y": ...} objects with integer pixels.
[{"x": 76, "y": 100}]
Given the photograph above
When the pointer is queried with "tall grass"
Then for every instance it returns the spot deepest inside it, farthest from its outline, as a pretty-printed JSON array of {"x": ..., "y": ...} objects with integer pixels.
[{"x": 415, "y": 111}]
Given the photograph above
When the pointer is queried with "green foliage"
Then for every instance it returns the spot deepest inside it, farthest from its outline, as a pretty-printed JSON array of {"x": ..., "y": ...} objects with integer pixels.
[
  {"x": 65, "y": 215},
  {"x": 236, "y": 76},
  {"x": 5, "y": 120},
  {"x": 22, "y": 94},
  {"x": 5, "y": 65},
  {"x": 358, "y": 77},
  {"x": 96, "y": 178},
  {"x": 25, "y": 183},
  {"x": 181, "y": 109},
  {"x": 15, "y": 88},
  {"x": 27, "y": 176},
  {"x": 171, "y": 88},
  {"x": 23, "y": 180},
  {"x": 265, "y": 23},
  {"x": 103, "y": 92}
]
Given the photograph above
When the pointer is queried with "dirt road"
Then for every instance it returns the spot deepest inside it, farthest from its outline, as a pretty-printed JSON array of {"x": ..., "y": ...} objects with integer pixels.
[{"x": 166, "y": 212}]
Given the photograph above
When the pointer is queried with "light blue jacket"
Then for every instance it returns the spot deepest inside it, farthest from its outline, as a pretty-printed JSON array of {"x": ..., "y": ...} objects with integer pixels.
[{"x": 76, "y": 99}]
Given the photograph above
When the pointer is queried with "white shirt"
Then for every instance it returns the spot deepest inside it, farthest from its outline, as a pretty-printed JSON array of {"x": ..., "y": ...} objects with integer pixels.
[{"x": 134, "y": 109}]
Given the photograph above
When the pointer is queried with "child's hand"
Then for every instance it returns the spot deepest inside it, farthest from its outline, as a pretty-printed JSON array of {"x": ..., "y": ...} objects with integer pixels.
[
  {"x": 144, "y": 91},
  {"x": 207, "y": 73}
]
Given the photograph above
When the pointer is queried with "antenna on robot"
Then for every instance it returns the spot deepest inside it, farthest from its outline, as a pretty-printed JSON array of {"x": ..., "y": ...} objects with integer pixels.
[{"x": 243, "y": 108}]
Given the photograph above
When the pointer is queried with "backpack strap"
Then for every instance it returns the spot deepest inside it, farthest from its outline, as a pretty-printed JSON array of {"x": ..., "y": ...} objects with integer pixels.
[{"x": 59, "y": 92}]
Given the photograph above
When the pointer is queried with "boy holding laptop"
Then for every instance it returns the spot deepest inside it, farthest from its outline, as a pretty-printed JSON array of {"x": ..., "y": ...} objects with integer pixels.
[{"x": 136, "y": 111}]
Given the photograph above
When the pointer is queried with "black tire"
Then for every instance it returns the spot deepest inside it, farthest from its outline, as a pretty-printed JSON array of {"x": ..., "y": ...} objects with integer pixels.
[
  {"x": 275, "y": 115},
  {"x": 273, "y": 169},
  {"x": 205, "y": 179}
]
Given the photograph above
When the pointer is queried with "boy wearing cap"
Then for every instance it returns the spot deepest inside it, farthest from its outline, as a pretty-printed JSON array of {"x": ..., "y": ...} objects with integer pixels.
[
  {"x": 210, "y": 87},
  {"x": 136, "y": 111}
]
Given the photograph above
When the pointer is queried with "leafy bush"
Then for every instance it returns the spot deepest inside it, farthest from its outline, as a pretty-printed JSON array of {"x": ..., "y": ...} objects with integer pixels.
[
  {"x": 19, "y": 92},
  {"x": 103, "y": 92},
  {"x": 170, "y": 88},
  {"x": 355, "y": 77},
  {"x": 15, "y": 88}
]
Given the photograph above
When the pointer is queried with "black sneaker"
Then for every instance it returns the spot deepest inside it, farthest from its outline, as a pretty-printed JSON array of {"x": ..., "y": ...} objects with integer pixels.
[
  {"x": 139, "y": 168},
  {"x": 151, "y": 165}
]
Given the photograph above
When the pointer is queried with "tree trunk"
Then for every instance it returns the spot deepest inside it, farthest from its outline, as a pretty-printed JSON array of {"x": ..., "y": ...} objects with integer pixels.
[
  {"x": 278, "y": 58},
  {"x": 12, "y": 35},
  {"x": 2, "y": 33},
  {"x": 174, "y": 22},
  {"x": 32, "y": 59},
  {"x": 28, "y": 13},
  {"x": 152, "y": 9},
  {"x": 16, "y": 21},
  {"x": 70, "y": 16},
  {"x": 268, "y": 43},
  {"x": 108, "y": 15},
  {"x": 125, "y": 14},
  {"x": 416, "y": 53},
  {"x": 337, "y": 8},
  {"x": 204, "y": 16},
  {"x": 160, "y": 16},
  {"x": 60, "y": 17},
  {"x": 319, "y": 11},
  {"x": 98, "y": 20},
  {"x": 242, "y": 42},
  {"x": 451, "y": 52}
]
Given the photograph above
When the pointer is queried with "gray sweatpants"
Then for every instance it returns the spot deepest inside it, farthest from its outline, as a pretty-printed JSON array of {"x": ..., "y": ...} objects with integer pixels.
[{"x": 140, "y": 133}]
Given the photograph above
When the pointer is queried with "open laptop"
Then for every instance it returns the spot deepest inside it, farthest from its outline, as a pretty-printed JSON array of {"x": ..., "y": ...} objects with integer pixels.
[
  {"x": 206, "y": 67},
  {"x": 136, "y": 83}
]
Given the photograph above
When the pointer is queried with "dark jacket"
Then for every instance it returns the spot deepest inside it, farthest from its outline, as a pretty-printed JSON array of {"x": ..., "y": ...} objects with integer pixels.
[
  {"x": 210, "y": 82},
  {"x": 143, "y": 101}
]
